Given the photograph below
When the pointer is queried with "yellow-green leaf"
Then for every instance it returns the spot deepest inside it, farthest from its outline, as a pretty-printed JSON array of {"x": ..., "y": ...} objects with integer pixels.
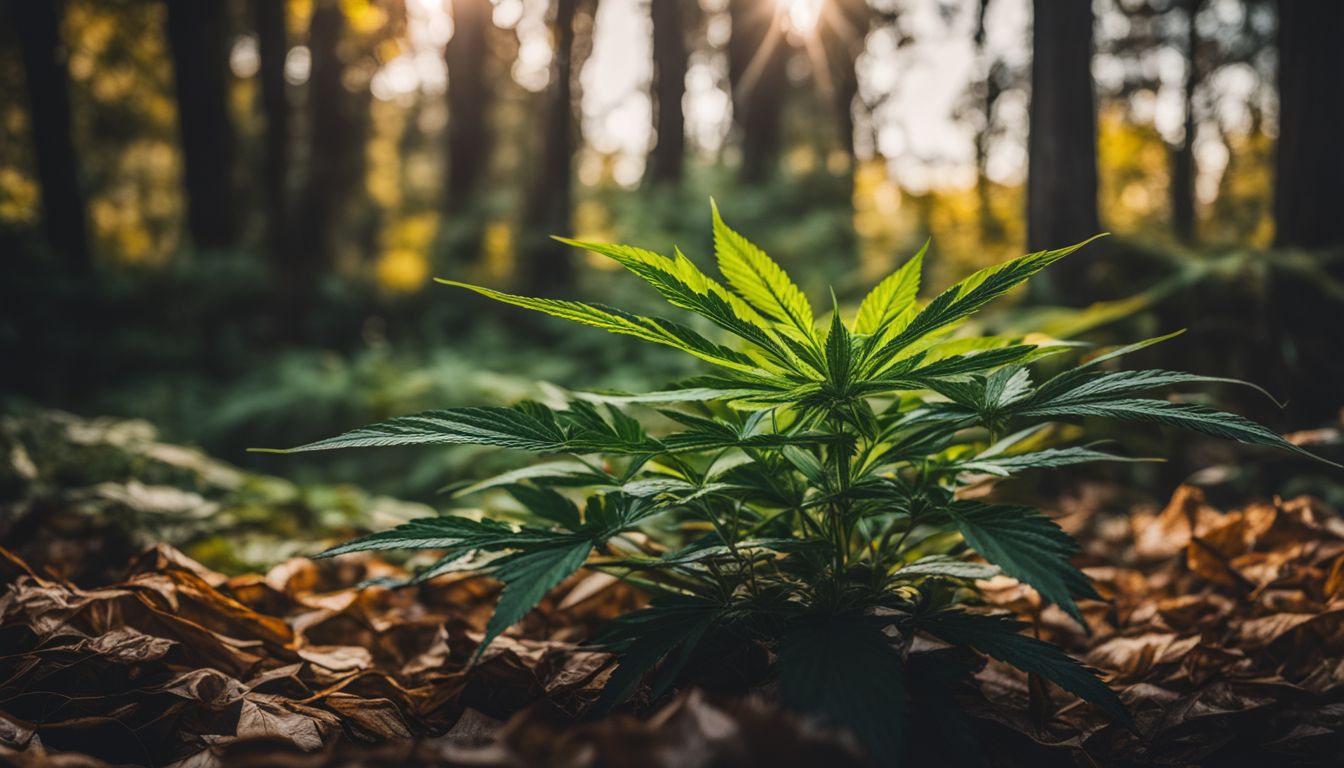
[
  {"x": 892, "y": 297},
  {"x": 761, "y": 281}
]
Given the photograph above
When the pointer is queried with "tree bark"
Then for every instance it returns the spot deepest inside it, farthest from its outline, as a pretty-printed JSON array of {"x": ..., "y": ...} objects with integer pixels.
[
  {"x": 468, "y": 101},
  {"x": 547, "y": 265},
  {"x": 757, "y": 58},
  {"x": 329, "y": 141},
  {"x": 1308, "y": 191},
  {"x": 272, "y": 47},
  {"x": 1183, "y": 157},
  {"x": 991, "y": 229},
  {"x": 670, "y": 62},
  {"x": 1309, "y": 186},
  {"x": 200, "y": 76},
  {"x": 47, "y": 81},
  {"x": 1062, "y": 169},
  {"x": 842, "y": 30}
]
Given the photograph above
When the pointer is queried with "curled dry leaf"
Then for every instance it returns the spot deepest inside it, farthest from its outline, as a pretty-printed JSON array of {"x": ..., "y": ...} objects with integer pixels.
[
  {"x": 176, "y": 662},
  {"x": 1222, "y": 631},
  {"x": 1225, "y": 636}
]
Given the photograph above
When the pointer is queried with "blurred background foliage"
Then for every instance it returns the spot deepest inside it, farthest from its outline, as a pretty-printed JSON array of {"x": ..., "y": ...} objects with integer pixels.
[{"x": 221, "y": 216}]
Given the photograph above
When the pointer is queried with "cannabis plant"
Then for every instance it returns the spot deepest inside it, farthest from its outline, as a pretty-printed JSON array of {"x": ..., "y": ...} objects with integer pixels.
[{"x": 804, "y": 499}]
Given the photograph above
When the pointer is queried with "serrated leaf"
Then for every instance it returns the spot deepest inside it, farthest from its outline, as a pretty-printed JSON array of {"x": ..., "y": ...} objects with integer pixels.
[
  {"x": 1104, "y": 386},
  {"x": 893, "y": 296},
  {"x": 1027, "y": 546},
  {"x": 671, "y": 627},
  {"x": 654, "y": 329},
  {"x": 963, "y": 299},
  {"x": 839, "y": 354},
  {"x": 1185, "y": 415},
  {"x": 762, "y": 282},
  {"x": 950, "y": 567},
  {"x": 1004, "y": 466},
  {"x": 547, "y": 504},
  {"x": 1001, "y": 638},
  {"x": 527, "y": 577},
  {"x": 685, "y": 286},
  {"x": 526, "y": 429},
  {"x": 553, "y": 472},
  {"x": 443, "y": 533},
  {"x": 1005, "y": 387},
  {"x": 807, "y": 463},
  {"x": 526, "y": 426}
]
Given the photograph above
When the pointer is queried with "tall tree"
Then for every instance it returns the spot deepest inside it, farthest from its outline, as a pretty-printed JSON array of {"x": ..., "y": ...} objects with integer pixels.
[
  {"x": 1309, "y": 187},
  {"x": 1308, "y": 191},
  {"x": 546, "y": 264},
  {"x": 330, "y": 139},
  {"x": 1062, "y": 167},
  {"x": 268, "y": 17},
  {"x": 986, "y": 95},
  {"x": 842, "y": 31},
  {"x": 670, "y": 61},
  {"x": 468, "y": 100},
  {"x": 200, "y": 74},
  {"x": 47, "y": 79},
  {"x": 1183, "y": 154},
  {"x": 757, "y": 60}
]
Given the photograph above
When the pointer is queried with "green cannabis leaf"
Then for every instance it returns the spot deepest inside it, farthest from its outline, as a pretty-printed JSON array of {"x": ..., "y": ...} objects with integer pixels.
[{"x": 806, "y": 501}]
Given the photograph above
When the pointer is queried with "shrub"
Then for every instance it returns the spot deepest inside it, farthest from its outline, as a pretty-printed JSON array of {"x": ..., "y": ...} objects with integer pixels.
[{"x": 807, "y": 501}]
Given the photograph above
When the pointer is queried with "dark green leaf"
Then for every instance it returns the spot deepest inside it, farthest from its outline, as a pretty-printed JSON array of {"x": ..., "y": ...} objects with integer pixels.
[
  {"x": 1001, "y": 638},
  {"x": 446, "y": 532},
  {"x": 527, "y": 577},
  {"x": 1187, "y": 416},
  {"x": 1027, "y": 546},
  {"x": 670, "y": 625},
  {"x": 548, "y": 505}
]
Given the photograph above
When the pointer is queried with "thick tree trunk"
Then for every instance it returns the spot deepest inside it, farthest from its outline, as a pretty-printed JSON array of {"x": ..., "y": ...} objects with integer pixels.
[
  {"x": 468, "y": 101},
  {"x": 1062, "y": 169},
  {"x": 200, "y": 75},
  {"x": 1183, "y": 155},
  {"x": 1309, "y": 188},
  {"x": 670, "y": 61},
  {"x": 272, "y": 47},
  {"x": 547, "y": 265},
  {"x": 1308, "y": 191},
  {"x": 757, "y": 58},
  {"x": 38, "y": 25}
]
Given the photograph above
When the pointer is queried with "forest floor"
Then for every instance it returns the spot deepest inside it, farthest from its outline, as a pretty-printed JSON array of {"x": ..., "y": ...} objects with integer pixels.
[{"x": 1222, "y": 630}]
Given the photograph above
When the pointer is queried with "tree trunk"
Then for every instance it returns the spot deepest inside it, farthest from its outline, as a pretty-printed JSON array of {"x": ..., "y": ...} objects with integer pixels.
[
  {"x": 1062, "y": 169},
  {"x": 200, "y": 76},
  {"x": 547, "y": 266},
  {"x": 1183, "y": 156},
  {"x": 670, "y": 61},
  {"x": 842, "y": 30},
  {"x": 272, "y": 47},
  {"x": 47, "y": 81},
  {"x": 991, "y": 229},
  {"x": 757, "y": 57},
  {"x": 1309, "y": 186},
  {"x": 1308, "y": 191},
  {"x": 329, "y": 141},
  {"x": 468, "y": 101}
]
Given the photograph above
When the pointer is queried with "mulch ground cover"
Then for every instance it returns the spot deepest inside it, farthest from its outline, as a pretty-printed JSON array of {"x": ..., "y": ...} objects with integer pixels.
[{"x": 1222, "y": 630}]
